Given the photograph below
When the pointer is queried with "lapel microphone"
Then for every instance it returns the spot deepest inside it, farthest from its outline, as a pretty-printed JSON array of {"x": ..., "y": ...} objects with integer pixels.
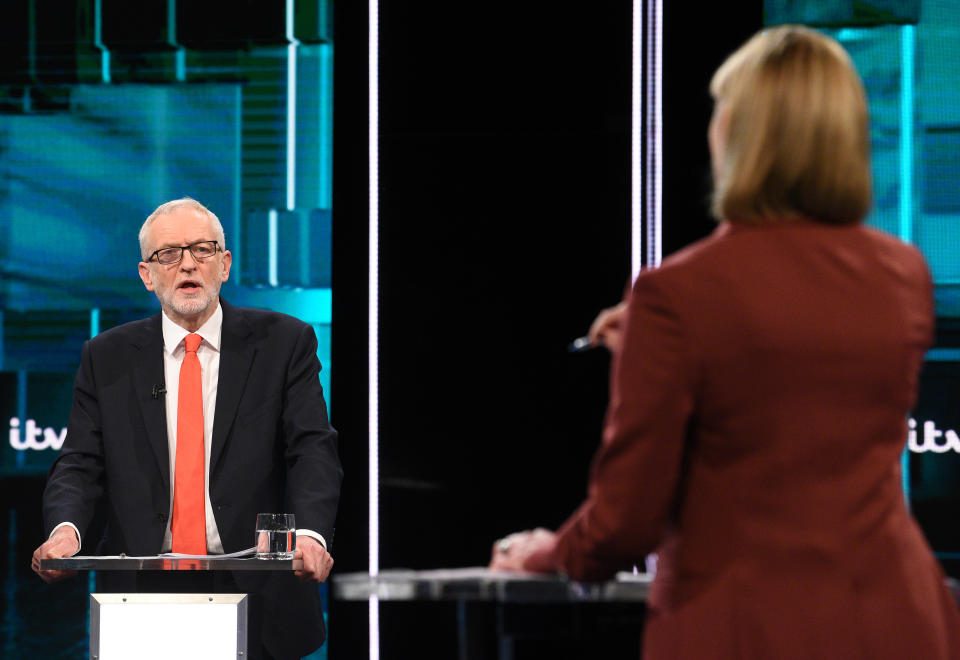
[{"x": 157, "y": 391}]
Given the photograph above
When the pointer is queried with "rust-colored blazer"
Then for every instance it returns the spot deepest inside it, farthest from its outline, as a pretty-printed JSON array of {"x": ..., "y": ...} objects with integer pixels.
[{"x": 757, "y": 416}]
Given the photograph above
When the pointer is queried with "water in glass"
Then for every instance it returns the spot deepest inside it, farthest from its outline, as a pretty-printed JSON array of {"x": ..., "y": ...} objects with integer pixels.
[{"x": 276, "y": 536}]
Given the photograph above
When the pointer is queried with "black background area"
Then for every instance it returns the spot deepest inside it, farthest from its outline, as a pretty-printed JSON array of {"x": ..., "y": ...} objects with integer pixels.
[{"x": 505, "y": 222}]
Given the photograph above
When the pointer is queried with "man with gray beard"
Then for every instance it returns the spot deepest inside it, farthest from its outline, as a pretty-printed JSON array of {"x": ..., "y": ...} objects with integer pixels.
[{"x": 236, "y": 388}]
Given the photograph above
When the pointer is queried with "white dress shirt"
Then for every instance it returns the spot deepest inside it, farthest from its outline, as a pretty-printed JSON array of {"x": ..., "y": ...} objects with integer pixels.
[{"x": 209, "y": 355}]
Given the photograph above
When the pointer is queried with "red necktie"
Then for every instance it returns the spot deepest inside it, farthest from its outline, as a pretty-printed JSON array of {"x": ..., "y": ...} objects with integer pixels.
[{"x": 188, "y": 524}]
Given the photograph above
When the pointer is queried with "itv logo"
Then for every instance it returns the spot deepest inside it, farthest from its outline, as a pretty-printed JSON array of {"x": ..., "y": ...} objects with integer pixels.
[
  {"x": 931, "y": 438},
  {"x": 35, "y": 437}
]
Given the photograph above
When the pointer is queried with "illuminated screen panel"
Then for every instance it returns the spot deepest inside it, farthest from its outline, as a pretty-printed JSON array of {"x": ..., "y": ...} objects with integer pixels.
[
  {"x": 80, "y": 179},
  {"x": 912, "y": 78}
]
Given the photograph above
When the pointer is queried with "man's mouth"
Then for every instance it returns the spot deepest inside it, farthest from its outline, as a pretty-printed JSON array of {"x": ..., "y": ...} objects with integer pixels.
[{"x": 189, "y": 286}]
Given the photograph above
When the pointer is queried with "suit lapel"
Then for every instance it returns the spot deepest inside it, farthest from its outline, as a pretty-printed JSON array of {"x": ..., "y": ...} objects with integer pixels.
[
  {"x": 148, "y": 378},
  {"x": 236, "y": 356}
]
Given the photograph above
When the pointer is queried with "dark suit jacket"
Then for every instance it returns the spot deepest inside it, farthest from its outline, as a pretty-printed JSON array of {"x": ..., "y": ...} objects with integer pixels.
[
  {"x": 757, "y": 416},
  {"x": 272, "y": 450}
]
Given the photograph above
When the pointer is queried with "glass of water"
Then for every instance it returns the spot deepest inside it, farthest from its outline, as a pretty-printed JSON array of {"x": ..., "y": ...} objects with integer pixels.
[{"x": 276, "y": 536}]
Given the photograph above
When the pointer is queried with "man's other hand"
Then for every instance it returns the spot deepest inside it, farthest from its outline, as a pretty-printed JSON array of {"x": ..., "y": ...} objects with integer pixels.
[
  {"x": 62, "y": 543},
  {"x": 317, "y": 562}
]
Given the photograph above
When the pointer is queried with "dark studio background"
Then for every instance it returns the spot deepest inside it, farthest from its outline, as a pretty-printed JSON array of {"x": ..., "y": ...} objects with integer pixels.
[{"x": 505, "y": 225}]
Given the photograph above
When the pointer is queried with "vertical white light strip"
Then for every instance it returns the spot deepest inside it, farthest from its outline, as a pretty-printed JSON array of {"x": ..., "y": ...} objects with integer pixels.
[
  {"x": 180, "y": 53},
  {"x": 906, "y": 132},
  {"x": 273, "y": 265},
  {"x": 292, "y": 44},
  {"x": 647, "y": 62},
  {"x": 94, "y": 322},
  {"x": 94, "y": 331},
  {"x": 180, "y": 62},
  {"x": 653, "y": 117},
  {"x": 98, "y": 41},
  {"x": 373, "y": 311},
  {"x": 906, "y": 180},
  {"x": 636, "y": 150}
]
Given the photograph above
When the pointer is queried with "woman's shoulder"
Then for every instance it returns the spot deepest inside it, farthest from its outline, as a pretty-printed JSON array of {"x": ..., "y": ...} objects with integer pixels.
[
  {"x": 731, "y": 240},
  {"x": 722, "y": 243},
  {"x": 734, "y": 253}
]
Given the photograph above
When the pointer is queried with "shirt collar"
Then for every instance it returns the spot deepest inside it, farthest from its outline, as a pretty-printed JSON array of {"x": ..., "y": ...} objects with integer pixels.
[{"x": 210, "y": 331}]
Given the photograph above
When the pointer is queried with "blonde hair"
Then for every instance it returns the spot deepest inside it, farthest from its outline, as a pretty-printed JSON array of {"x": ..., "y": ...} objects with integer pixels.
[
  {"x": 170, "y": 207},
  {"x": 798, "y": 140}
]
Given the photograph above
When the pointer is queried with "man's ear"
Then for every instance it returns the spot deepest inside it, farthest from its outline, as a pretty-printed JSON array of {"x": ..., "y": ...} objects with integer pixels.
[
  {"x": 146, "y": 275},
  {"x": 225, "y": 264}
]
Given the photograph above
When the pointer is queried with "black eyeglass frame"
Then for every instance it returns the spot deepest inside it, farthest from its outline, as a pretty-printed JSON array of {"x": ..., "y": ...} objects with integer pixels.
[{"x": 156, "y": 253}]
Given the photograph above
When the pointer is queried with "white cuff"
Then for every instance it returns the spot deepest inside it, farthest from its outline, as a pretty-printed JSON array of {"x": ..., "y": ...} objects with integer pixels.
[
  {"x": 77, "y": 532},
  {"x": 312, "y": 534}
]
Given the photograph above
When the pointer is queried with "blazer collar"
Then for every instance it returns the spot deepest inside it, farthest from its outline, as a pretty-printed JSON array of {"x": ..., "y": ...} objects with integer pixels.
[
  {"x": 149, "y": 387},
  {"x": 237, "y": 349}
]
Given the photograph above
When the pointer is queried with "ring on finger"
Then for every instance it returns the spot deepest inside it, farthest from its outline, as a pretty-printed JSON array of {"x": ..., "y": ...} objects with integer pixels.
[{"x": 503, "y": 545}]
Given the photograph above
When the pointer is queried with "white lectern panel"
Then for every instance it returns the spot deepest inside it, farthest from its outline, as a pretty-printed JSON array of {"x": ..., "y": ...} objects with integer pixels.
[{"x": 182, "y": 626}]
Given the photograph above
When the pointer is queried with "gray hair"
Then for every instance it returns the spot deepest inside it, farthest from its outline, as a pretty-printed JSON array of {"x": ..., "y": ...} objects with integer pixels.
[{"x": 170, "y": 207}]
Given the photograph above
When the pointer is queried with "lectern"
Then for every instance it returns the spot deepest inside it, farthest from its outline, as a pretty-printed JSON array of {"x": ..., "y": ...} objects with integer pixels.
[{"x": 174, "y": 625}]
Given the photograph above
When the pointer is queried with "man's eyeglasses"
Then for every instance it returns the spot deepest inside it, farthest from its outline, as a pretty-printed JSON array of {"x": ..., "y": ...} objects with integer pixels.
[{"x": 172, "y": 255}]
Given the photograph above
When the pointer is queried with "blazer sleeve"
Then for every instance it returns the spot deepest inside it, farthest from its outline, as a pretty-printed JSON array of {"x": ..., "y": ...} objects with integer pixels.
[
  {"x": 635, "y": 473},
  {"x": 75, "y": 481},
  {"x": 310, "y": 443}
]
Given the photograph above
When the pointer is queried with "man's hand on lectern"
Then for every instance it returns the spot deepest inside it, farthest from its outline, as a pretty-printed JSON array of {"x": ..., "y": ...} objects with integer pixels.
[
  {"x": 62, "y": 543},
  {"x": 317, "y": 562}
]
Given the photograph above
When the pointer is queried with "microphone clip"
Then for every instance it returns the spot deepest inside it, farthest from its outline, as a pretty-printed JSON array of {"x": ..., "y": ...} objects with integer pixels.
[{"x": 157, "y": 391}]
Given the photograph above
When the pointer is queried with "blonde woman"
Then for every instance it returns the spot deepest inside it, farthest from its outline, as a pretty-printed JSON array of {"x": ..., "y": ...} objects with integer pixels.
[{"x": 759, "y": 397}]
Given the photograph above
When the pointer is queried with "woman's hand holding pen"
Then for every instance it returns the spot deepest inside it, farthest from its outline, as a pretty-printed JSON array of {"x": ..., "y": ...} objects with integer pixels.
[{"x": 606, "y": 330}]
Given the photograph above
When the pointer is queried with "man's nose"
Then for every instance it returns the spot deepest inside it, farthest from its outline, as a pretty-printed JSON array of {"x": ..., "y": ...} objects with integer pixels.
[{"x": 185, "y": 264}]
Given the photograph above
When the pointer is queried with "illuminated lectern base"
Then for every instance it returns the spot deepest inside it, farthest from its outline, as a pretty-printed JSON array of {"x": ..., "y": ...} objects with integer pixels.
[{"x": 182, "y": 626}]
